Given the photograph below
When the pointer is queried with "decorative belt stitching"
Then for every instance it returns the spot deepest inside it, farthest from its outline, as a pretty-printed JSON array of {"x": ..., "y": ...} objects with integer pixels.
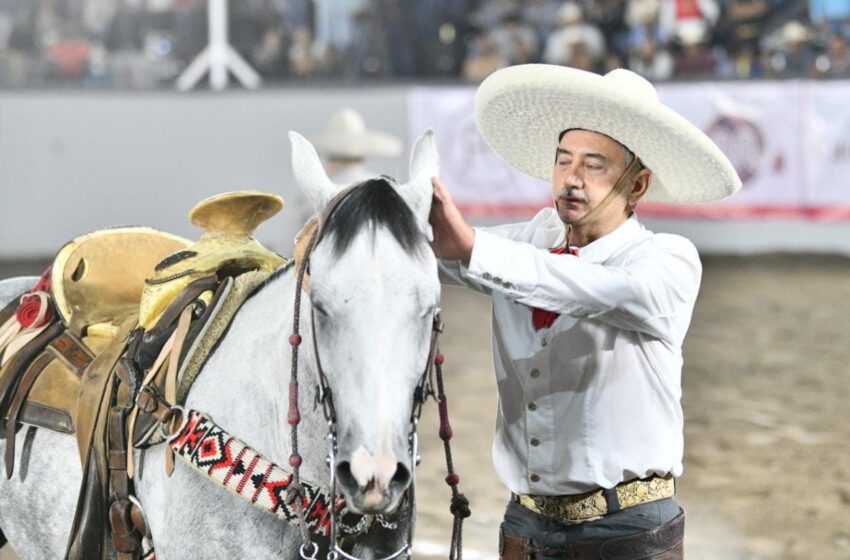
[{"x": 591, "y": 506}]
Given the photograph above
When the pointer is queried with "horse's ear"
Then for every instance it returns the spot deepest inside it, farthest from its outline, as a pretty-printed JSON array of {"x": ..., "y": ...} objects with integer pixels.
[
  {"x": 310, "y": 174},
  {"x": 424, "y": 164}
]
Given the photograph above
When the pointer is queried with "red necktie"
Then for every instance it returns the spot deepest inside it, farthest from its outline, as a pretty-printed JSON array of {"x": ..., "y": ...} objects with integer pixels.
[{"x": 540, "y": 318}]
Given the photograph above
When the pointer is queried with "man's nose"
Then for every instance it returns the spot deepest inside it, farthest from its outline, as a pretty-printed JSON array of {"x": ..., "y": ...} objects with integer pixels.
[{"x": 572, "y": 178}]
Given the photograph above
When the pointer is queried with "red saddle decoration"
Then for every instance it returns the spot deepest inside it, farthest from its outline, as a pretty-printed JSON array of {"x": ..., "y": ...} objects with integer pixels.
[{"x": 31, "y": 304}]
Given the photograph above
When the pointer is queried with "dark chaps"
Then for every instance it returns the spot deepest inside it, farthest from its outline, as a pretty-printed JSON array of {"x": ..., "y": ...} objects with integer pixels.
[{"x": 663, "y": 543}]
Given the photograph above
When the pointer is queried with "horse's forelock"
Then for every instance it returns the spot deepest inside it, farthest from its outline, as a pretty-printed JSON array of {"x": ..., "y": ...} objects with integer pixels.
[{"x": 374, "y": 203}]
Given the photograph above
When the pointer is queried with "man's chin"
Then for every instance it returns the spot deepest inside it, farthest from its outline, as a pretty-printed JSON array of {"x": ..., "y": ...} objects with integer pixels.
[
  {"x": 570, "y": 212},
  {"x": 569, "y": 217}
]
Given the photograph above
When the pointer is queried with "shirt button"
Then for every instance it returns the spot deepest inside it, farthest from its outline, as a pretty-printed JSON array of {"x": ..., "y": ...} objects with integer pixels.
[
  {"x": 544, "y": 342},
  {"x": 534, "y": 442},
  {"x": 507, "y": 285},
  {"x": 486, "y": 276},
  {"x": 535, "y": 478},
  {"x": 535, "y": 372},
  {"x": 497, "y": 280},
  {"x": 532, "y": 406}
]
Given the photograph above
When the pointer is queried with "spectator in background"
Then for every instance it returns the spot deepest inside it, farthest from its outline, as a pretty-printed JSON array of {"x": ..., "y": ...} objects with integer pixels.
[
  {"x": 835, "y": 62},
  {"x": 6, "y": 26},
  {"x": 270, "y": 55},
  {"x": 398, "y": 21},
  {"x": 742, "y": 23},
  {"x": 795, "y": 56},
  {"x": 490, "y": 12},
  {"x": 542, "y": 15},
  {"x": 248, "y": 22},
  {"x": 694, "y": 59},
  {"x": 745, "y": 63},
  {"x": 125, "y": 34},
  {"x": 22, "y": 33},
  {"x": 831, "y": 15},
  {"x": 575, "y": 43},
  {"x": 97, "y": 17},
  {"x": 190, "y": 28},
  {"x": 48, "y": 25},
  {"x": 515, "y": 40},
  {"x": 613, "y": 60},
  {"x": 673, "y": 14},
  {"x": 334, "y": 22},
  {"x": 438, "y": 49},
  {"x": 652, "y": 62},
  {"x": 581, "y": 57},
  {"x": 608, "y": 17},
  {"x": 482, "y": 59},
  {"x": 305, "y": 58},
  {"x": 68, "y": 53},
  {"x": 641, "y": 18}
]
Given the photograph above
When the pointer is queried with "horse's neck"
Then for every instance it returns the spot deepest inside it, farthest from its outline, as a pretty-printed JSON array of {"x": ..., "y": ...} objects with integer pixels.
[{"x": 244, "y": 386}]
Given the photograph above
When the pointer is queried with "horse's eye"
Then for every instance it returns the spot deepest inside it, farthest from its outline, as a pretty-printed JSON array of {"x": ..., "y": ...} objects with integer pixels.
[{"x": 320, "y": 310}]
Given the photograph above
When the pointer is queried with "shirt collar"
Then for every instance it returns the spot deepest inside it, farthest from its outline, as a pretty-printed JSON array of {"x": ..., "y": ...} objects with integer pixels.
[{"x": 600, "y": 250}]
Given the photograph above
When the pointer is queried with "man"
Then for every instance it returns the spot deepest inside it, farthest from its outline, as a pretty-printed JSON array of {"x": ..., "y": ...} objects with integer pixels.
[
  {"x": 346, "y": 143},
  {"x": 589, "y": 309}
]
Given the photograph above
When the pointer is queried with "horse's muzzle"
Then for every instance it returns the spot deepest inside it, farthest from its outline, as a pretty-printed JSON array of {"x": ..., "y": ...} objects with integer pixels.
[{"x": 379, "y": 494}]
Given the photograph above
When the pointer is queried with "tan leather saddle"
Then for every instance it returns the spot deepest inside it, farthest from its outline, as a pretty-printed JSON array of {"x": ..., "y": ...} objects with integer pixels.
[{"x": 118, "y": 294}]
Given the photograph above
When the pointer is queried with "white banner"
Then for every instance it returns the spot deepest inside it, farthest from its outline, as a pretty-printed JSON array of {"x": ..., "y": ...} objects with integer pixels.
[
  {"x": 825, "y": 152},
  {"x": 788, "y": 140}
]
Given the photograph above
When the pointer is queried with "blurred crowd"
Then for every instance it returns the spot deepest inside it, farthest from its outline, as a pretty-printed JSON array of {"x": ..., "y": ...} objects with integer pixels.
[{"x": 148, "y": 43}]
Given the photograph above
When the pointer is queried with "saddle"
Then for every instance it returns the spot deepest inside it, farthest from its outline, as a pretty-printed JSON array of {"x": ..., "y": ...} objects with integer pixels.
[{"x": 119, "y": 308}]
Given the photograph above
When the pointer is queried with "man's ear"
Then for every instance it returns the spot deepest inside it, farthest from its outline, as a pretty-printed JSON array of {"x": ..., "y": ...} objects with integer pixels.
[{"x": 640, "y": 184}]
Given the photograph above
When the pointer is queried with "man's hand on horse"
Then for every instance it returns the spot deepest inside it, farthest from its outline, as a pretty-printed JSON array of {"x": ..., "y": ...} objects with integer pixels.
[{"x": 453, "y": 237}]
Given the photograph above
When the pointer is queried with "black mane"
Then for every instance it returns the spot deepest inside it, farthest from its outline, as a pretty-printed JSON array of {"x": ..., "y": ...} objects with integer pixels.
[{"x": 375, "y": 202}]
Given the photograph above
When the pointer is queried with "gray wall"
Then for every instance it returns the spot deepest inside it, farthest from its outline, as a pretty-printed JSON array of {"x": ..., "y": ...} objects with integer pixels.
[{"x": 71, "y": 162}]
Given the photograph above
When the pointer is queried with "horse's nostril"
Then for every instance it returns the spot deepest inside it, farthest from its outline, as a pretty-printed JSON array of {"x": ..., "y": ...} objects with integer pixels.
[
  {"x": 344, "y": 476},
  {"x": 401, "y": 476}
]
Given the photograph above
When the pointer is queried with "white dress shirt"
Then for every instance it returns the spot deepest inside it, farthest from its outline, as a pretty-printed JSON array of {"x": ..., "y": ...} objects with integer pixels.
[{"x": 593, "y": 400}]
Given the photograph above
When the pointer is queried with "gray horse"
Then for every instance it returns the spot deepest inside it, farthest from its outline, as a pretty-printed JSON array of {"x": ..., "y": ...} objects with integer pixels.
[{"x": 374, "y": 291}]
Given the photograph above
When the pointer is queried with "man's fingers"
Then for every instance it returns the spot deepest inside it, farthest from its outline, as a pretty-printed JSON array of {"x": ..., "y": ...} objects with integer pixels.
[{"x": 441, "y": 193}]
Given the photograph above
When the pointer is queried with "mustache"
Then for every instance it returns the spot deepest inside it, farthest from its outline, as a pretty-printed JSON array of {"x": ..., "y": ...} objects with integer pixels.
[{"x": 574, "y": 192}]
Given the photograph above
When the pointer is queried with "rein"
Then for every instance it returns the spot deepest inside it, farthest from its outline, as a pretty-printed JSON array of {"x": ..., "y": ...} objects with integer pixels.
[{"x": 425, "y": 388}]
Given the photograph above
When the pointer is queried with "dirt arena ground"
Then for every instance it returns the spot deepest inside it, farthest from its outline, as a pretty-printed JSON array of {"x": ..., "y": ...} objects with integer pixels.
[{"x": 767, "y": 459}]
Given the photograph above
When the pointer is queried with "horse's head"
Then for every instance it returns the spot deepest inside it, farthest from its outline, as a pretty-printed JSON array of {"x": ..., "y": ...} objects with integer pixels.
[{"x": 374, "y": 292}]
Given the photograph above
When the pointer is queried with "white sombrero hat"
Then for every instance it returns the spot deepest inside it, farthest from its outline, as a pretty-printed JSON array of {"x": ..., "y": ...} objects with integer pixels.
[
  {"x": 347, "y": 136},
  {"x": 521, "y": 110}
]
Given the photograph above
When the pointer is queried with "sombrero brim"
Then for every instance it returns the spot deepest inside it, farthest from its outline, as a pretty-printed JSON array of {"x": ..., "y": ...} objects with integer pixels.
[
  {"x": 370, "y": 143},
  {"x": 521, "y": 110}
]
